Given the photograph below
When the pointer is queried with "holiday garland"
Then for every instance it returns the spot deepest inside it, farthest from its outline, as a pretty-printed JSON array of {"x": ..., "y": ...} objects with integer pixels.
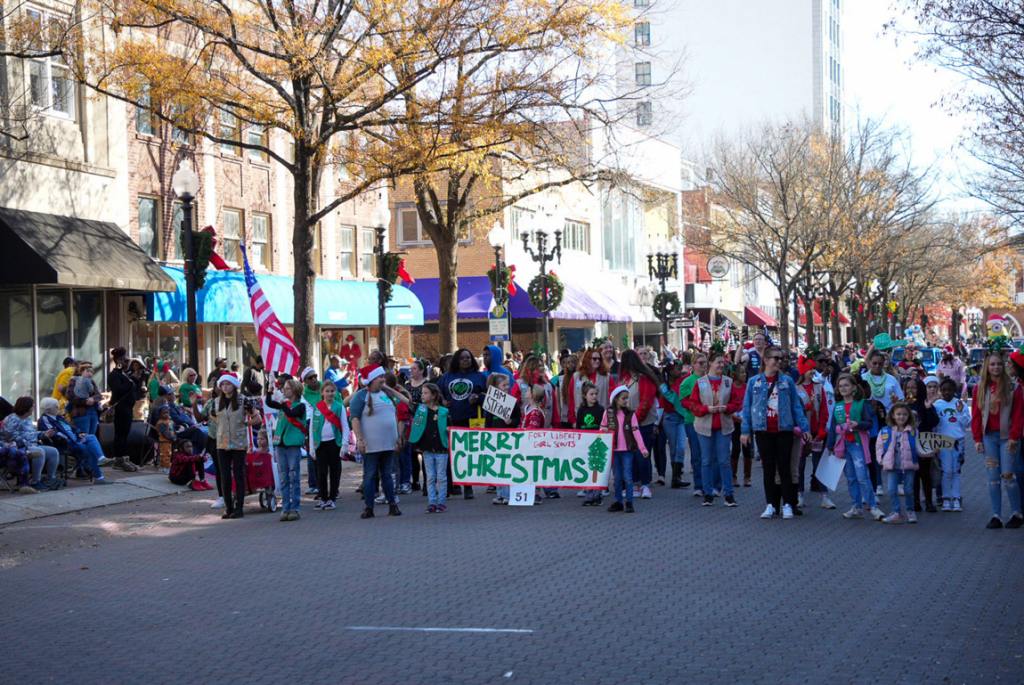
[
  {"x": 555, "y": 292},
  {"x": 666, "y": 305},
  {"x": 499, "y": 282},
  {"x": 390, "y": 275},
  {"x": 202, "y": 243}
]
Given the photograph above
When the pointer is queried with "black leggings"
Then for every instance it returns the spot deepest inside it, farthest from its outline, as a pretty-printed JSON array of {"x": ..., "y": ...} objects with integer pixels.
[
  {"x": 328, "y": 470},
  {"x": 232, "y": 467},
  {"x": 122, "y": 428},
  {"x": 776, "y": 450}
]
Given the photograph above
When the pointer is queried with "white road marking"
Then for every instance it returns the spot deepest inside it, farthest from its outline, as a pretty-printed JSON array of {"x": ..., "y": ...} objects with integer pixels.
[{"x": 427, "y": 629}]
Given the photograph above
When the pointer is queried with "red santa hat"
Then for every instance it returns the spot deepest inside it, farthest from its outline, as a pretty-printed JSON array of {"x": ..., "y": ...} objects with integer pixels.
[
  {"x": 1017, "y": 357},
  {"x": 805, "y": 364},
  {"x": 372, "y": 373},
  {"x": 229, "y": 377}
]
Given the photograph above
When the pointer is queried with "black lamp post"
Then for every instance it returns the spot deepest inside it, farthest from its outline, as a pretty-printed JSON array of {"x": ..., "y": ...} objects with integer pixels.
[
  {"x": 379, "y": 251},
  {"x": 542, "y": 256},
  {"x": 185, "y": 184},
  {"x": 497, "y": 237},
  {"x": 661, "y": 266}
]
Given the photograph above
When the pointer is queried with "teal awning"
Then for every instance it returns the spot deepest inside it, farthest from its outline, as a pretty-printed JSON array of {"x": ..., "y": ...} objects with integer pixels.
[{"x": 224, "y": 299}]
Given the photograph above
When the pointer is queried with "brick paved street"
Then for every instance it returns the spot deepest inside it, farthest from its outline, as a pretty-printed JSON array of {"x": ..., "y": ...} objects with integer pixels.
[{"x": 163, "y": 591}]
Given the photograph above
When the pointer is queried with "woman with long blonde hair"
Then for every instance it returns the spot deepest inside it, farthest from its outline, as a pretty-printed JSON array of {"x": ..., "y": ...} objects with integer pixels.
[{"x": 997, "y": 421}]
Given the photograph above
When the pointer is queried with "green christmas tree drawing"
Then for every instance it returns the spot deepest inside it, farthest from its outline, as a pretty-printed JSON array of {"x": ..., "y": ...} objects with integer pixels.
[{"x": 597, "y": 457}]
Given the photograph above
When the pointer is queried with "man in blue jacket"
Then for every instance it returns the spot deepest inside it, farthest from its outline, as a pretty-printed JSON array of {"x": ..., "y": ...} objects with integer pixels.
[{"x": 492, "y": 362}]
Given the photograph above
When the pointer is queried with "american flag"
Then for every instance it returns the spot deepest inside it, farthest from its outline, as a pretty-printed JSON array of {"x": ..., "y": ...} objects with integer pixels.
[{"x": 280, "y": 354}]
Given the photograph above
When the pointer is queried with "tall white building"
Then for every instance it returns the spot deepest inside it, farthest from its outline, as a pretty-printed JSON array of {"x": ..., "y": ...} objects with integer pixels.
[{"x": 724, "y": 66}]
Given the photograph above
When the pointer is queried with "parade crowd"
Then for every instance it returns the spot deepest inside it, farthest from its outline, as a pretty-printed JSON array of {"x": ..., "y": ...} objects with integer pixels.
[{"x": 680, "y": 419}]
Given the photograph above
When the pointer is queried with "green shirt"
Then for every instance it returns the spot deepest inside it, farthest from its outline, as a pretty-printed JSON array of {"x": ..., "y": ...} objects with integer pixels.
[{"x": 685, "y": 390}]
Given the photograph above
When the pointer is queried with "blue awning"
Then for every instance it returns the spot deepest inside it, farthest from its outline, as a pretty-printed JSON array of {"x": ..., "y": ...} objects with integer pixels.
[{"x": 224, "y": 299}]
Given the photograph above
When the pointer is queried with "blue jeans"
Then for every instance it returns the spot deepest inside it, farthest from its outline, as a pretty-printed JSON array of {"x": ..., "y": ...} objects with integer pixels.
[
  {"x": 857, "y": 479},
  {"x": 405, "y": 466},
  {"x": 437, "y": 476},
  {"x": 714, "y": 460},
  {"x": 995, "y": 448},
  {"x": 949, "y": 460},
  {"x": 87, "y": 423},
  {"x": 893, "y": 480},
  {"x": 373, "y": 462},
  {"x": 288, "y": 460},
  {"x": 642, "y": 471},
  {"x": 691, "y": 437},
  {"x": 622, "y": 465},
  {"x": 88, "y": 453},
  {"x": 671, "y": 427}
]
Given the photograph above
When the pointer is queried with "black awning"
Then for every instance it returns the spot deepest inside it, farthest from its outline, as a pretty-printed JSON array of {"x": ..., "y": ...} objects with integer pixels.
[{"x": 47, "y": 249}]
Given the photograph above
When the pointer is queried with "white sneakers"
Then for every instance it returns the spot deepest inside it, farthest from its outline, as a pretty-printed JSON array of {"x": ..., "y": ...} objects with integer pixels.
[
  {"x": 698, "y": 493},
  {"x": 956, "y": 504},
  {"x": 877, "y": 513},
  {"x": 218, "y": 503},
  {"x": 645, "y": 492},
  {"x": 826, "y": 501},
  {"x": 769, "y": 512},
  {"x": 787, "y": 511},
  {"x": 911, "y": 517},
  {"x": 854, "y": 513},
  {"x": 894, "y": 517},
  {"x": 947, "y": 505}
]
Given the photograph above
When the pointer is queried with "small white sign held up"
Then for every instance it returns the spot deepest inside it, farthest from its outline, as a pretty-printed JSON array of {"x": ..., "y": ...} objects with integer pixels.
[{"x": 499, "y": 403}]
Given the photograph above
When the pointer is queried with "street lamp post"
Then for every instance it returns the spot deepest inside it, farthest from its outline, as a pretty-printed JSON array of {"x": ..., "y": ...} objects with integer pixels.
[
  {"x": 185, "y": 184},
  {"x": 542, "y": 256},
  {"x": 661, "y": 266},
  {"x": 497, "y": 237},
  {"x": 382, "y": 219}
]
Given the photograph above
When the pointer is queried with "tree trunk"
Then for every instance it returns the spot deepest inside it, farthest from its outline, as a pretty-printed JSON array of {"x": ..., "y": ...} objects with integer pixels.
[
  {"x": 304, "y": 195},
  {"x": 836, "y": 330},
  {"x": 448, "y": 283},
  {"x": 784, "y": 318}
]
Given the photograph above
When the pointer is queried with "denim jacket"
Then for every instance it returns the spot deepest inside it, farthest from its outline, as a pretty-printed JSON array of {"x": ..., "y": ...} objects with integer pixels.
[{"x": 755, "y": 405}]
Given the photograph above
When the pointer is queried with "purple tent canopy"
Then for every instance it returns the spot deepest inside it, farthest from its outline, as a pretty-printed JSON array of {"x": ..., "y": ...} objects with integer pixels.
[{"x": 475, "y": 301}]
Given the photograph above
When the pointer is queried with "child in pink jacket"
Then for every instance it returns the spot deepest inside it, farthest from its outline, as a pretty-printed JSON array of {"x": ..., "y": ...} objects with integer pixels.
[{"x": 626, "y": 442}]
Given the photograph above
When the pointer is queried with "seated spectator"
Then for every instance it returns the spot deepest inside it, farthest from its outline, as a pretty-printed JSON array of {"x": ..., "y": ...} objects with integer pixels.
[
  {"x": 165, "y": 438},
  {"x": 185, "y": 425},
  {"x": 85, "y": 448},
  {"x": 187, "y": 468},
  {"x": 19, "y": 429},
  {"x": 14, "y": 461}
]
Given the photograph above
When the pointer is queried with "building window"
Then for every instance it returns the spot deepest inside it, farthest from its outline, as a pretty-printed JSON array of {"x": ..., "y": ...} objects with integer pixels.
[
  {"x": 230, "y": 235},
  {"x": 317, "y": 256},
  {"x": 259, "y": 243},
  {"x": 409, "y": 229},
  {"x": 642, "y": 34},
  {"x": 641, "y": 3},
  {"x": 144, "y": 114},
  {"x": 149, "y": 223},
  {"x": 257, "y": 135},
  {"x": 622, "y": 222},
  {"x": 644, "y": 113},
  {"x": 520, "y": 220},
  {"x": 229, "y": 130},
  {"x": 177, "y": 218},
  {"x": 576, "y": 236},
  {"x": 643, "y": 73},
  {"x": 50, "y": 83},
  {"x": 179, "y": 135},
  {"x": 347, "y": 251},
  {"x": 366, "y": 257}
]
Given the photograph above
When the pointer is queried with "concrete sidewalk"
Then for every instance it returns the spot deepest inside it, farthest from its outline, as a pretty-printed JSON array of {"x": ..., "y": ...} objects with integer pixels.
[{"x": 14, "y": 508}]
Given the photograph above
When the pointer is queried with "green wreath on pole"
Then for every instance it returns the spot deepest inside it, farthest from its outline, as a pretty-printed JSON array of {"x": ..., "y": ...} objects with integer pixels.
[
  {"x": 666, "y": 305},
  {"x": 202, "y": 243},
  {"x": 390, "y": 275},
  {"x": 500, "y": 281},
  {"x": 556, "y": 291}
]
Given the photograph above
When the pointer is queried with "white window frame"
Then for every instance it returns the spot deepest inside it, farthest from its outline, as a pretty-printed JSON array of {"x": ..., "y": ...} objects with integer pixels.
[
  {"x": 576, "y": 236},
  {"x": 266, "y": 243},
  {"x": 367, "y": 238},
  {"x": 642, "y": 73},
  {"x": 257, "y": 135},
  {"x": 351, "y": 268},
  {"x": 156, "y": 226},
  {"x": 642, "y": 34},
  {"x": 227, "y": 239},
  {"x": 231, "y": 131},
  {"x": 144, "y": 113},
  {"x": 48, "y": 65},
  {"x": 517, "y": 216}
]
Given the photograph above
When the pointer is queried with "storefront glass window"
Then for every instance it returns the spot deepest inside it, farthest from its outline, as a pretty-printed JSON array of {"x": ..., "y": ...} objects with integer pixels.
[
  {"x": 15, "y": 344},
  {"x": 54, "y": 321},
  {"x": 89, "y": 331}
]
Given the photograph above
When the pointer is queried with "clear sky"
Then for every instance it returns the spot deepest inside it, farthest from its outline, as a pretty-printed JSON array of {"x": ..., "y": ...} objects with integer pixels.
[{"x": 883, "y": 80}]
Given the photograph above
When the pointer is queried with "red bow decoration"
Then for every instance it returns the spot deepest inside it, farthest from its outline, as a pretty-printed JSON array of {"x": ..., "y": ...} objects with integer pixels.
[
  {"x": 215, "y": 259},
  {"x": 403, "y": 274},
  {"x": 512, "y": 280}
]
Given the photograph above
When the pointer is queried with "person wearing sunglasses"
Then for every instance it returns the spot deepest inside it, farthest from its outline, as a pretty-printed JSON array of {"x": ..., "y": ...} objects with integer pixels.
[{"x": 772, "y": 416}]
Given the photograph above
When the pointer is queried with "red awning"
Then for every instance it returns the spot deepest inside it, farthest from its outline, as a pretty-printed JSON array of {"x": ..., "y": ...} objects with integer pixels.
[
  {"x": 755, "y": 316},
  {"x": 803, "y": 313},
  {"x": 695, "y": 268}
]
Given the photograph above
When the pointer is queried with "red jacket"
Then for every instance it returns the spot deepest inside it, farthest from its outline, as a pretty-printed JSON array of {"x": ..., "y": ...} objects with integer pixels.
[
  {"x": 819, "y": 421},
  {"x": 517, "y": 392},
  {"x": 534, "y": 418},
  {"x": 648, "y": 393},
  {"x": 694, "y": 403},
  {"x": 978, "y": 422}
]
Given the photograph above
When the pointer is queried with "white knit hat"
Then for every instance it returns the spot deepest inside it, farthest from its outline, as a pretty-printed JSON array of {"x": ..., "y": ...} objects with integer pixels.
[
  {"x": 618, "y": 390},
  {"x": 308, "y": 371}
]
